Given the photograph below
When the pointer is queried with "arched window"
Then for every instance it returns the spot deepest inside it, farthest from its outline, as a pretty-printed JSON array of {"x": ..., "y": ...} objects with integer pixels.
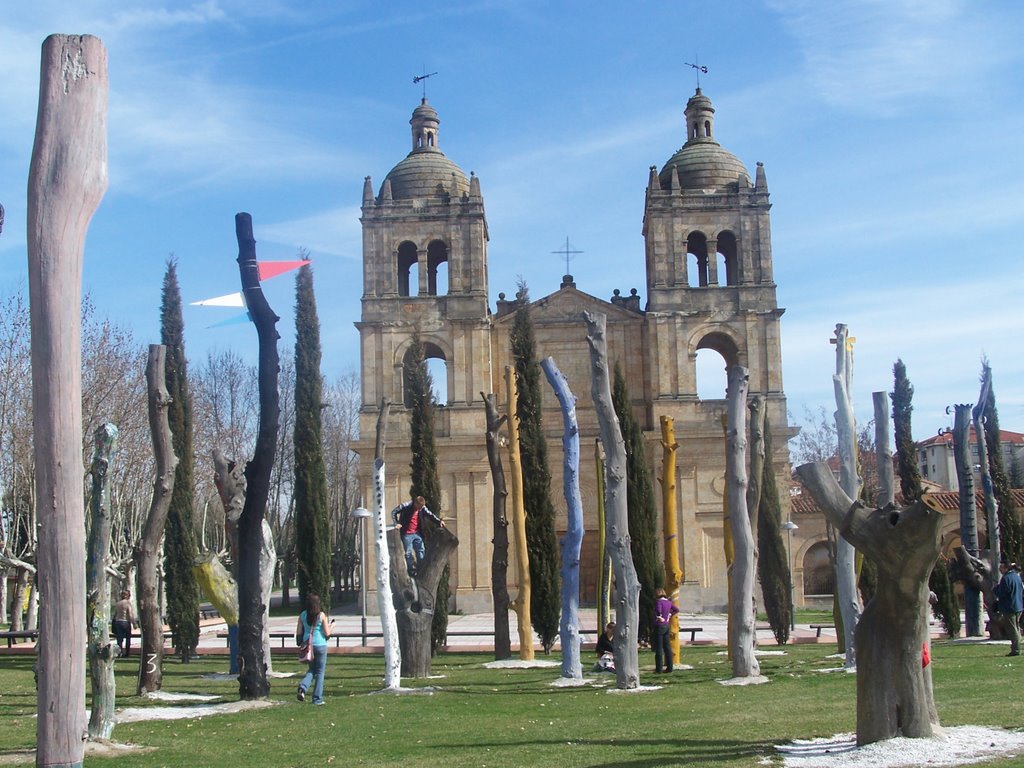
[
  {"x": 408, "y": 269},
  {"x": 707, "y": 128},
  {"x": 819, "y": 577},
  {"x": 728, "y": 259},
  {"x": 437, "y": 255},
  {"x": 437, "y": 368},
  {"x": 697, "y": 255},
  {"x": 715, "y": 353}
]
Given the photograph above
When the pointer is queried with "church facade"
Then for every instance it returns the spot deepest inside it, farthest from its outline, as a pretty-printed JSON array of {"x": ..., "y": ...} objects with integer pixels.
[{"x": 709, "y": 285}]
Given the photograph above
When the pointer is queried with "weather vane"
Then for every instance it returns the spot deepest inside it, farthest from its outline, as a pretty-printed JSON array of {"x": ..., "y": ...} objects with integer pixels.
[
  {"x": 568, "y": 253},
  {"x": 700, "y": 69},
  {"x": 423, "y": 79}
]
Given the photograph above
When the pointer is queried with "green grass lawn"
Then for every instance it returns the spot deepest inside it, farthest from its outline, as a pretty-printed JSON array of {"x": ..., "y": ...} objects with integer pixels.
[{"x": 481, "y": 717}]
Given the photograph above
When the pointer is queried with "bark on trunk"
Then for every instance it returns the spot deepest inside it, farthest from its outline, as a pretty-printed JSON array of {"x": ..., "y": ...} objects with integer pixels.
[
  {"x": 572, "y": 542},
  {"x": 252, "y": 672},
  {"x": 846, "y": 433},
  {"x": 230, "y": 482},
  {"x": 741, "y": 603},
  {"x": 604, "y": 590},
  {"x": 499, "y": 555},
  {"x": 385, "y": 601},
  {"x": 149, "y": 555},
  {"x": 968, "y": 513},
  {"x": 673, "y": 538},
  {"x": 67, "y": 179},
  {"x": 754, "y": 480},
  {"x": 100, "y": 650},
  {"x": 415, "y": 598},
  {"x": 521, "y": 603},
  {"x": 894, "y": 690},
  {"x": 627, "y": 665}
]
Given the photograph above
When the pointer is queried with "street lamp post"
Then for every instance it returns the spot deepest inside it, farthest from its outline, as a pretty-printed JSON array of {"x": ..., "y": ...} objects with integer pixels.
[
  {"x": 361, "y": 514},
  {"x": 789, "y": 526}
]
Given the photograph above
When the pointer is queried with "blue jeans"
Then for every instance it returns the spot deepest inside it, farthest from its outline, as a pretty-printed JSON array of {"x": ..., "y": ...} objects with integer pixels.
[
  {"x": 317, "y": 668},
  {"x": 662, "y": 649},
  {"x": 413, "y": 541}
]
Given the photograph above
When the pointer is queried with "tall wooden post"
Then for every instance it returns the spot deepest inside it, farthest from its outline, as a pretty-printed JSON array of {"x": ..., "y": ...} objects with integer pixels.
[
  {"x": 521, "y": 603},
  {"x": 67, "y": 179},
  {"x": 673, "y": 537}
]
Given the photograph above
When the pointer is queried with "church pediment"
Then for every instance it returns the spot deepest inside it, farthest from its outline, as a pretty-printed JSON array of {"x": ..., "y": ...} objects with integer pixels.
[{"x": 568, "y": 304}]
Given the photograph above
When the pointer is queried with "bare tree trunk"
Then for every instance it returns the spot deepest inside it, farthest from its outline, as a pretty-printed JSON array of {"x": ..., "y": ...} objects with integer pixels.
[
  {"x": 883, "y": 450},
  {"x": 673, "y": 570},
  {"x": 991, "y": 507},
  {"x": 415, "y": 599},
  {"x": 572, "y": 542},
  {"x": 894, "y": 690},
  {"x": 100, "y": 649},
  {"x": 499, "y": 556},
  {"x": 148, "y": 558},
  {"x": 268, "y": 562},
  {"x": 230, "y": 482},
  {"x": 741, "y": 603},
  {"x": 968, "y": 514},
  {"x": 252, "y": 677},
  {"x": 385, "y": 602},
  {"x": 627, "y": 664},
  {"x": 67, "y": 179},
  {"x": 846, "y": 432},
  {"x": 521, "y": 603},
  {"x": 754, "y": 480},
  {"x": 604, "y": 590}
]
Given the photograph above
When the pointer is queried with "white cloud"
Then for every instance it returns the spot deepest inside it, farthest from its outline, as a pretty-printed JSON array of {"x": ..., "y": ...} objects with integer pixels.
[{"x": 334, "y": 232}]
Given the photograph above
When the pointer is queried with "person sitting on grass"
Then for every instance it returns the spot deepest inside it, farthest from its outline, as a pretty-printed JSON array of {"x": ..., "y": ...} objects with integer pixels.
[{"x": 606, "y": 650}]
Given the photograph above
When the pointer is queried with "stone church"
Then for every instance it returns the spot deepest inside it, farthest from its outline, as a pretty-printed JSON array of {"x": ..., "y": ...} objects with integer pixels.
[{"x": 709, "y": 285}]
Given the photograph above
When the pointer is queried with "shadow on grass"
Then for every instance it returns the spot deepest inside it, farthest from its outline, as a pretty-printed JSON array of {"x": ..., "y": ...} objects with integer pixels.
[{"x": 654, "y": 751}]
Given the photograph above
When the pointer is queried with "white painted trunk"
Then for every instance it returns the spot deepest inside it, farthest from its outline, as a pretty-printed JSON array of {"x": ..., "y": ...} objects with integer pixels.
[
  {"x": 385, "y": 605},
  {"x": 268, "y": 561},
  {"x": 846, "y": 432}
]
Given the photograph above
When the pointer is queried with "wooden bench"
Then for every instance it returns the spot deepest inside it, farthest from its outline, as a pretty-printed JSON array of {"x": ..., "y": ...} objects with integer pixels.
[
  {"x": 819, "y": 627},
  {"x": 692, "y": 630},
  {"x": 16, "y": 637}
]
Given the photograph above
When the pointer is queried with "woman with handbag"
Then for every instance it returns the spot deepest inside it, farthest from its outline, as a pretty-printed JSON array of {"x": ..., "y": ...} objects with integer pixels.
[{"x": 311, "y": 635}]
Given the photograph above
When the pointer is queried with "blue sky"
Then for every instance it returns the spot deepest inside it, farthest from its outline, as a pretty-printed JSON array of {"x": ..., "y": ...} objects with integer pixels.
[{"x": 891, "y": 134}]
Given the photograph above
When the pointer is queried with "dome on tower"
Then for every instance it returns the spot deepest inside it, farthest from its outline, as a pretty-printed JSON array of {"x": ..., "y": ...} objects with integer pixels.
[
  {"x": 426, "y": 172},
  {"x": 702, "y": 163}
]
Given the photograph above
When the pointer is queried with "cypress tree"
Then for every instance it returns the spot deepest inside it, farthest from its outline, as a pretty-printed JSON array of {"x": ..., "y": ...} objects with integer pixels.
[
  {"x": 179, "y": 533},
  {"x": 1010, "y": 538},
  {"x": 425, "y": 481},
  {"x": 541, "y": 541},
  {"x": 312, "y": 529},
  {"x": 643, "y": 521},
  {"x": 772, "y": 564},
  {"x": 945, "y": 608}
]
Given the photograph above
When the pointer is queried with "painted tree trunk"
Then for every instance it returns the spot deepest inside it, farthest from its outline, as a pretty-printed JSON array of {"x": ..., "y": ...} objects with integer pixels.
[
  {"x": 673, "y": 537},
  {"x": 499, "y": 555},
  {"x": 988, "y": 491},
  {"x": 741, "y": 603},
  {"x": 268, "y": 562},
  {"x": 229, "y": 479},
  {"x": 521, "y": 603},
  {"x": 755, "y": 451},
  {"x": 100, "y": 650},
  {"x": 572, "y": 542},
  {"x": 627, "y": 665},
  {"x": 968, "y": 514},
  {"x": 67, "y": 179},
  {"x": 883, "y": 450},
  {"x": 846, "y": 433},
  {"x": 415, "y": 599},
  {"x": 252, "y": 667},
  {"x": 894, "y": 689},
  {"x": 604, "y": 589},
  {"x": 385, "y": 604},
  {"x": 728, "y": 548},
  {"x": 149, "y": 555}
]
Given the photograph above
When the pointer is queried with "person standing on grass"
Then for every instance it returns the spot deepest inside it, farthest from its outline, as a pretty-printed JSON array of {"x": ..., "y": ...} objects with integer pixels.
[
  {"x": 1010, "y": 603},
  {"x": 409, "y": 519},
  {"x": 123, "y": 620},
  {"x": 664, "y": 610},
  {"x": 313, "y": 626}
]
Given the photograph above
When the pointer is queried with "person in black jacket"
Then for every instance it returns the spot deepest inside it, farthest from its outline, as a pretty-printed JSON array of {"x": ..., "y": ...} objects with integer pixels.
[{"x": 409, "y": 519}]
